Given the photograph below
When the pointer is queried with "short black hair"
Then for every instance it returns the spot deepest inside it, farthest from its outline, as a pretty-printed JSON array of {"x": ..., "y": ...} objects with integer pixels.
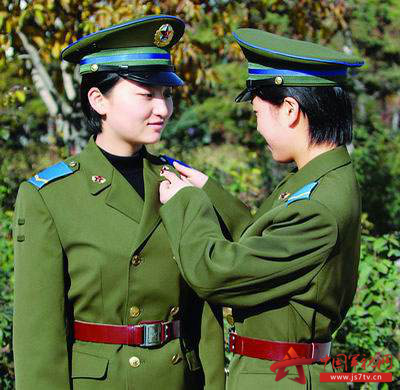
[
  {"x": 104, "y": 81},
  {"x": 328, "y": 110}
]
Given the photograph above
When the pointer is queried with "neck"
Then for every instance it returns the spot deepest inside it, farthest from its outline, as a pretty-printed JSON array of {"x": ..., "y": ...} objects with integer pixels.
[
  {"x": 116, "y": 147},
  {"x": 310, "y": 152}
]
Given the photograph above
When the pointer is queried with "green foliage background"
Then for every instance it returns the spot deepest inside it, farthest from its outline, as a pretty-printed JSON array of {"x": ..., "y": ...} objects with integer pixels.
[{"x": 214, "y": 134}]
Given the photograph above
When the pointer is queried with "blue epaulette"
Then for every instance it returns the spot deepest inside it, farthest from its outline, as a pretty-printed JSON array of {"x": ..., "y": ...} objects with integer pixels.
[
  {"x": 302, "y": 193},
  {"x": 49, "y": 174},
  {"x": 169, "y": 160}
]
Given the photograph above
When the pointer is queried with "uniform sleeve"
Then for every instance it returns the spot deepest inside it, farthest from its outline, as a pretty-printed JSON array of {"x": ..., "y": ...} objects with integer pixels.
[
  {"x": 282, "y": 256},
  {"x": 211, "y": 347},
  {"x": 235, "y": 214},
  {"x": 40, "y": 345}
]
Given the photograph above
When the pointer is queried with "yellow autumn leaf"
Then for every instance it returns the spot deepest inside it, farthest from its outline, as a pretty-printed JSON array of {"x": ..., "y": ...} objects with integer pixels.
[
  {"x": 20, "y": 95},
  {"x": 38, "y": 7},
  {"x": 39, "y": 18},
  {"x": 56, "y": 50},
  {"x": 8, "y": 26},
  {"x": 39, "y": 41}
]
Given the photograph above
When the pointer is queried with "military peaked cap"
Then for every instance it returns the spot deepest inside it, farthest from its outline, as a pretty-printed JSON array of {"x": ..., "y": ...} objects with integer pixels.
[
  {"x": 280, "y": 61},
  {"x": 138, "y": 48}
]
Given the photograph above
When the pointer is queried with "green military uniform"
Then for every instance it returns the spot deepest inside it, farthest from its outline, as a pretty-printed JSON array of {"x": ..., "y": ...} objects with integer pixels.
[
  {"x": 88, "y": 248},
  {"x": 291, "y": 274},
  {"x": 94, "y": 251}
]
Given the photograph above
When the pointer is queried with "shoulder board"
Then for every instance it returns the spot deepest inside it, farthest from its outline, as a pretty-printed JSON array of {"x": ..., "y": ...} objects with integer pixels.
[
  {"x": 302, "y": 193},
  {"x": 49, "y": 174},
  {"x": 169, "y": 160}
]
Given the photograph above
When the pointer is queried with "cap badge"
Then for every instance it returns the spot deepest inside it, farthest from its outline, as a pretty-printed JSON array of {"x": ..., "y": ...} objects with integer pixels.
[
  {"x": 99, "y": 179},
  {"x": 163, "y": 35}
]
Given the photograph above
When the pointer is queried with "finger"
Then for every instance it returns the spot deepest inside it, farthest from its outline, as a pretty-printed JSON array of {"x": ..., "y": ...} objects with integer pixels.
[
  {"x": 182, "y": 169},
  {"x": 171, "y": 177},
  {"x": 185, "y": 179},
  {"x": 164, "y": 185}
]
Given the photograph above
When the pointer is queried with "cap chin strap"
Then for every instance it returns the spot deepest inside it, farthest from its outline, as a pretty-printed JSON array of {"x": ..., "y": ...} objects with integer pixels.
[
  {"x": 141, "y": 74},
  {"x": 126, "y": 69},
  {"x": 252, "y": 86},
  {"x": 140, "y": 78},
  {"x": 260, "y": 83}
]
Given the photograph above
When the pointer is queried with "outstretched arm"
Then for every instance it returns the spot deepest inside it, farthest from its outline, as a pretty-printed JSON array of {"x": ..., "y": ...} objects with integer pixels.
[{"x": 282, "y": 251}]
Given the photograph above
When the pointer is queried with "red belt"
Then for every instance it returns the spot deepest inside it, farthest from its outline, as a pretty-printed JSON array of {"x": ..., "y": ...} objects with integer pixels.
[
  {"x": 276, "y": 350},
  {"x": 146, "y": 334}
]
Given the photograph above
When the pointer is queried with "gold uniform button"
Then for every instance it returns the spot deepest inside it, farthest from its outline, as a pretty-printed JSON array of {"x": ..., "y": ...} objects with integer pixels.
[
  {"x": 136, "y": 260},
  {"x": 72, "y": 164},
  {"x": 174, "y": 311},
  {"x": 134, "y": 311},
  {"x": 230, "y": 319},
  {"x": 176, "y": 358},
  {"x": 278, "y": 80},
  {"x": 134, "y": 361}
]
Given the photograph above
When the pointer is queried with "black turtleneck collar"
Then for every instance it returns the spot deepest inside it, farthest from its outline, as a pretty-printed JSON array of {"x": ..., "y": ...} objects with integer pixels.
[{"x": 131, "y": 167}]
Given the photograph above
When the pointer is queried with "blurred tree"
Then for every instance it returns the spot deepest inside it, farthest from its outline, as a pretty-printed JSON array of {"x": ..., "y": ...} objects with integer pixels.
[
  {"x": 37, "y": 31},
  {"x": 375, "y": 30}
]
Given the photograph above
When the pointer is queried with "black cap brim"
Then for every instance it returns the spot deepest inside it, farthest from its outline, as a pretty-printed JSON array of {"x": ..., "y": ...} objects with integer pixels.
[
  {"x": 167, "y": 78},
  {"x": 245, "y": 96}
]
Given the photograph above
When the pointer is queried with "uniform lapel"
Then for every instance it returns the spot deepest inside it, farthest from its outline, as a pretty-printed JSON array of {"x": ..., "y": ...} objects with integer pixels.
[
  {"x": 268, "y": 202},
  {"x": 317, "y": 168},
  {"x": 312, "y": 171},
  {"x": 121, "y": 195},
  {"x": 150, "y": 216},
  {"x": 124, "y": 198}
]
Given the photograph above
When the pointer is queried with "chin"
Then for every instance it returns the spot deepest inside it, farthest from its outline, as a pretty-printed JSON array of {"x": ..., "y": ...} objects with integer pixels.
[{"x": 152, "y": 140}]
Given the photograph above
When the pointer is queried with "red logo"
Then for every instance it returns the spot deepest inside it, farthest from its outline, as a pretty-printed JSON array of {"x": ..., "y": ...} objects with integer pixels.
[{"x": 290, "y": 360}]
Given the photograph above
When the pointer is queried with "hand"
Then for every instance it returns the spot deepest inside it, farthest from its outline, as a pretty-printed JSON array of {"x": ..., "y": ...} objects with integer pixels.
[
  {"x": 190, "y": 175},
  {"x": 169, "y": 187}
]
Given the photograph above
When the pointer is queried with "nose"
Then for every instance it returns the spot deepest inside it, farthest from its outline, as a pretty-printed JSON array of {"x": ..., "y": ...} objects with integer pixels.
[{"x": 161, "y": 108}]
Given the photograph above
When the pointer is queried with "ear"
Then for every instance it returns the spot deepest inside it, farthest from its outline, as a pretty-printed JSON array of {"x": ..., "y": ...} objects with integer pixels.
[
  {"x": 291, "y": 110},
  {"x": 97, "y": 100}
]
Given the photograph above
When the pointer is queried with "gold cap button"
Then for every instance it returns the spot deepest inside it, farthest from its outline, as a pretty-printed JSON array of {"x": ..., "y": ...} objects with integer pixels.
[
  {"x": 134, "y": 311},
  {"x": 278, "y": 80},
  {"x": 94, "y": 67},
  {"x": 134, "y": 361},
  {"x": 136, "y": 260},
  {"x": 174, "y": 311},
  {"x": 72, "y": 164},
  {"x": 230, "y": 319},
  {"x": 176, "y": 358}
]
